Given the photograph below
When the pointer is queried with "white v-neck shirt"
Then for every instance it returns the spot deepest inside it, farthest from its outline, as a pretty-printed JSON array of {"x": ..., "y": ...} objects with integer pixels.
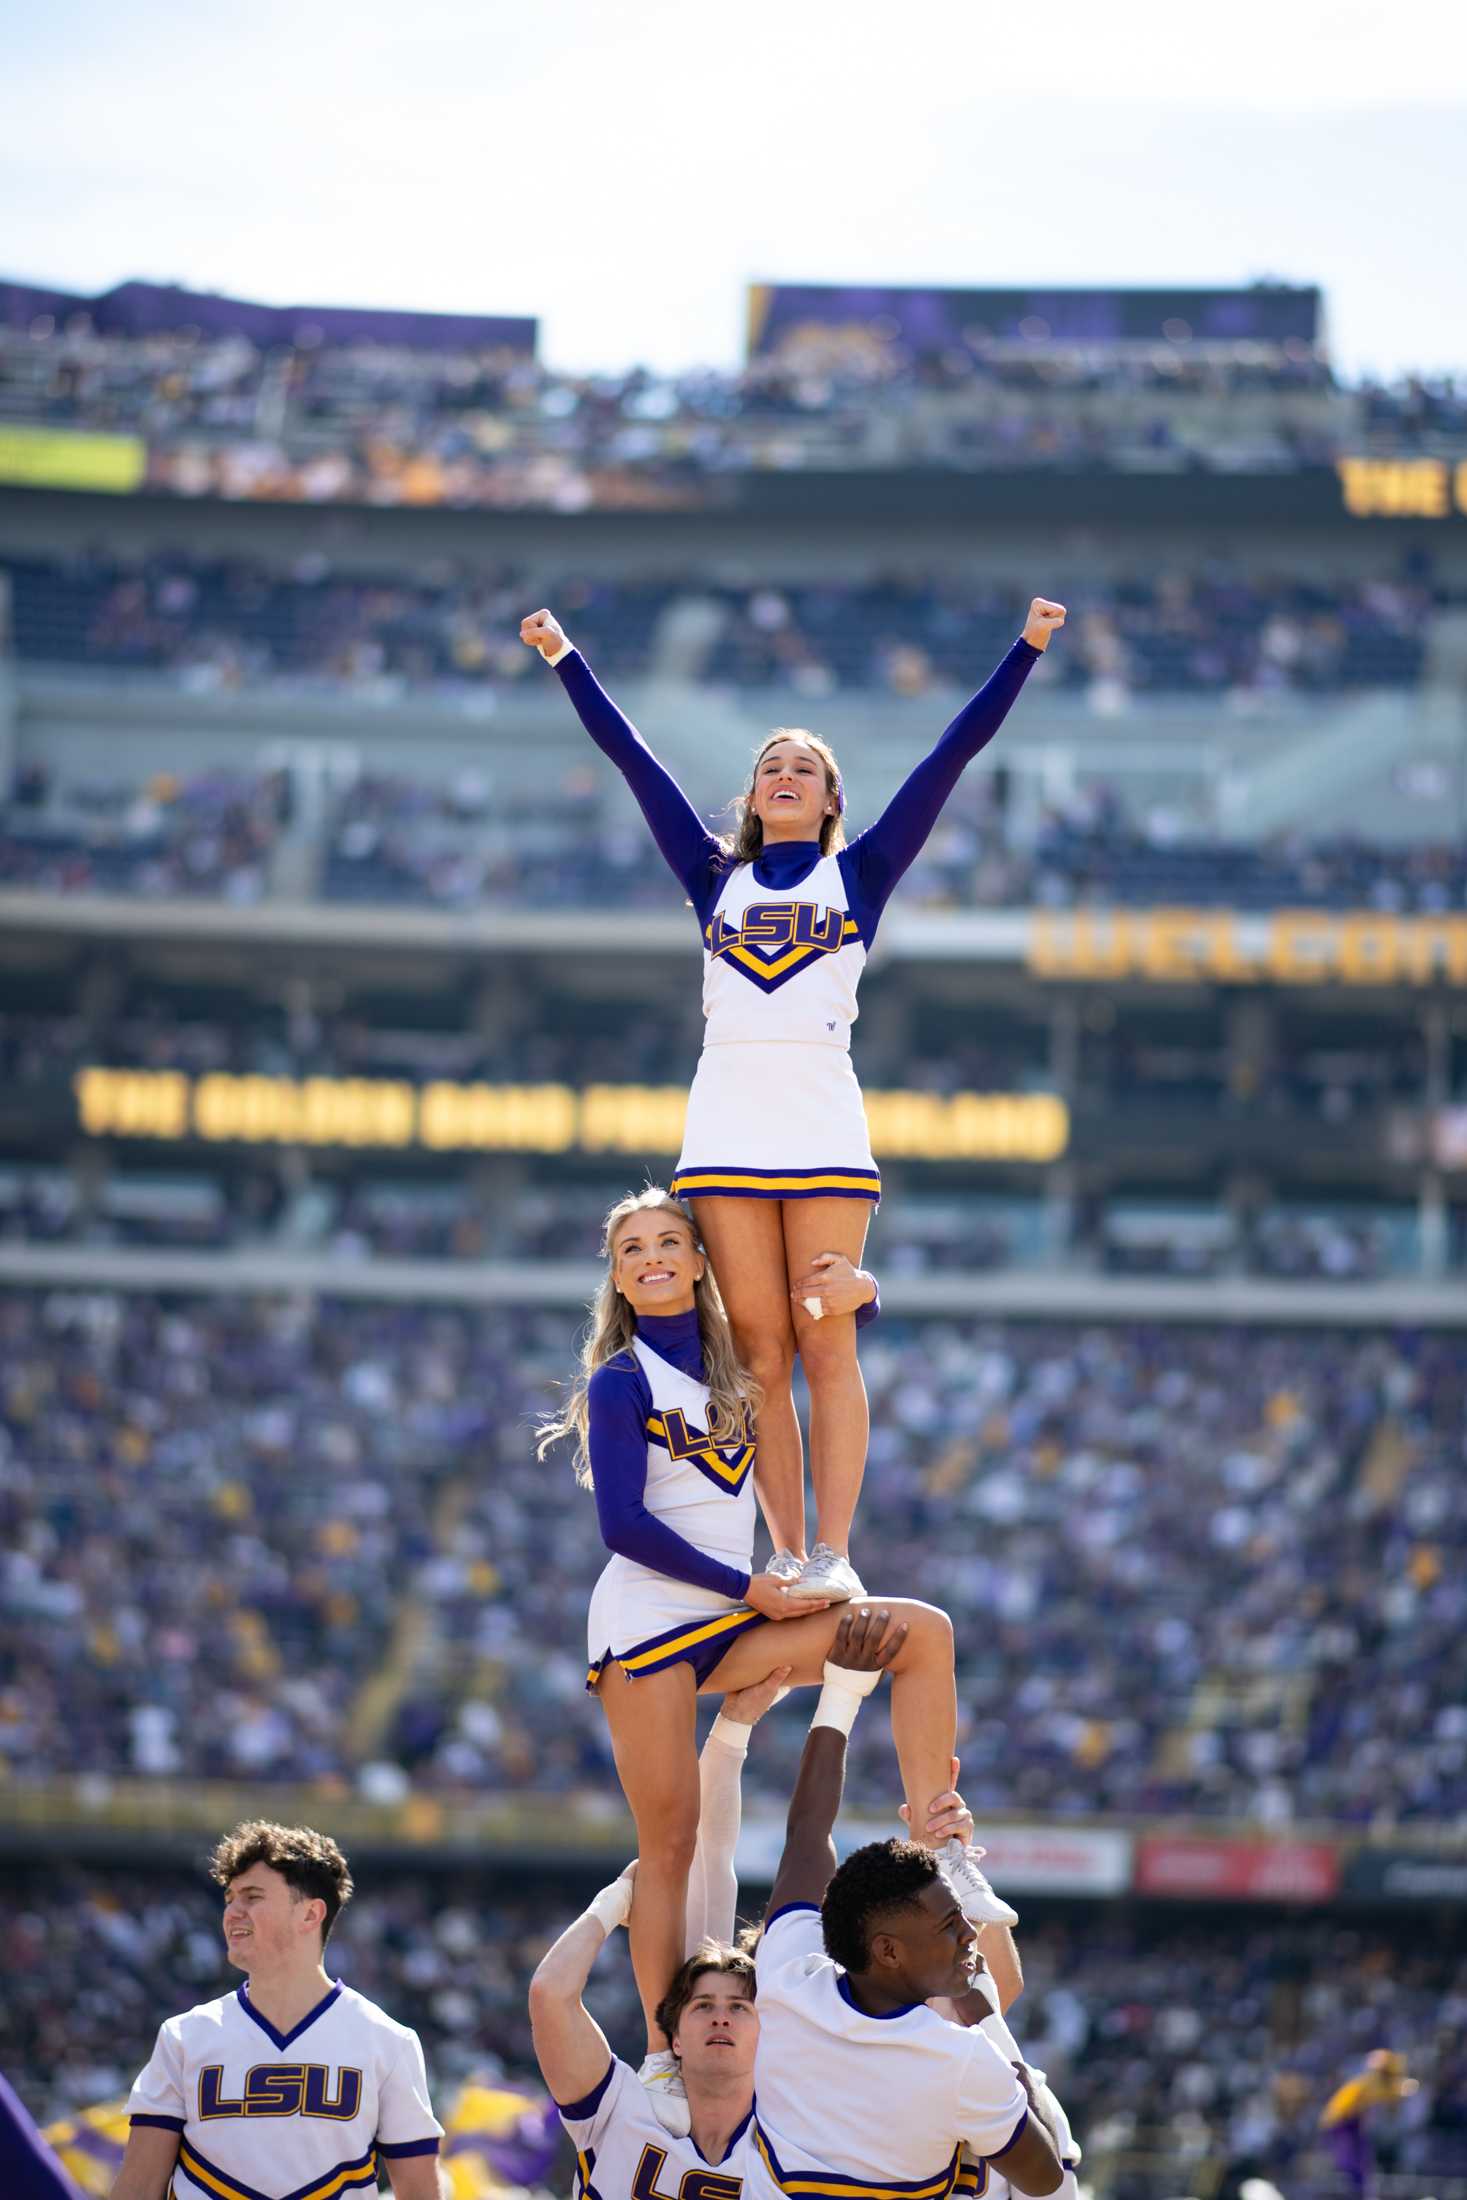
[{"x": 262, "y": 2114}]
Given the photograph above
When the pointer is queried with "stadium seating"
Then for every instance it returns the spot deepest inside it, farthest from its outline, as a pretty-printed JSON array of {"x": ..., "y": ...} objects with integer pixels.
[
  {"x": 394, "y": 422},
  {"x": 1213, "y": 632},
  {"x": 393, "y": 839},
  {"x": 1166, "y": 1553}
]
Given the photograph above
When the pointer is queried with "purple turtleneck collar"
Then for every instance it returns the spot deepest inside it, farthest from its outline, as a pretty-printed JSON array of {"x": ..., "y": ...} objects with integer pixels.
[
  {"x": 785, "y": 863},
  {"x": 674, "y": 1338}
]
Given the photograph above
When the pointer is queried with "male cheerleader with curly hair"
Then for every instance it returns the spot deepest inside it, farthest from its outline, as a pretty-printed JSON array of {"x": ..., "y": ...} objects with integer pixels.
[
  {"x": 293, "y": 2084},
  {"x": 859, "y": 2083}
]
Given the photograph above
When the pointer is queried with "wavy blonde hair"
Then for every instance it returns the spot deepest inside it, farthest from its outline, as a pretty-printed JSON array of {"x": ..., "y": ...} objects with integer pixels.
[
  {"x": 733, "y": 1395},
  {"x": 747, "y": 838}
]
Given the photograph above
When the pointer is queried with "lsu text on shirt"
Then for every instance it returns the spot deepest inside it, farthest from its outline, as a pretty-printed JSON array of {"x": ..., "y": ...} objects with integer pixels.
[
  {"x": 782, "y": 965},
  {"x": 299, "y": 2115},
  {"x": 623, "y": 2153}
]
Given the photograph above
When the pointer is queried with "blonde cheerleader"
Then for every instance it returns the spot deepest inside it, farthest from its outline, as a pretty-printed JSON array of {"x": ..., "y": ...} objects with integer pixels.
[{"x": 662, "y": 1418}]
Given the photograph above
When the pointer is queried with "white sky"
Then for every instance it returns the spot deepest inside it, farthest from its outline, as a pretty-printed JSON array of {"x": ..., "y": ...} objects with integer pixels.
[{"x": 622, "y": 168}]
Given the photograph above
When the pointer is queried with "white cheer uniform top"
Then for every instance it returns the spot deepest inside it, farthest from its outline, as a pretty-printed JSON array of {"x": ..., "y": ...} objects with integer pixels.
[
  {"x": 262, "y": 2115},
  {"x": 704, "y": 1492},
  {"x": 782, "y": 965},
  {"x": 884, "y": 2103},
  {"x": 623, "y": 2152}
]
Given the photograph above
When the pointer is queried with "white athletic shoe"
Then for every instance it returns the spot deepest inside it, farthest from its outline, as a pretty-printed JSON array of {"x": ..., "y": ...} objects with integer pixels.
[
  {"x": 785, "y": 1567},
  {"x": 826, "y": 1574},
  {"x": 976, "y": 1898},
  {"x": 667, "y": 2093}
]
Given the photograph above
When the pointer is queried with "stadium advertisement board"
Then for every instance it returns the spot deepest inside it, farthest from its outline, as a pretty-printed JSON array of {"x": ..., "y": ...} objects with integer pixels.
[
  {"x": 70, "y": 458},
  {"x": 1203, "y": 1870},
  {"x": 1407, "y": 1875},
  {"x": 1058, "y": 1860},
  {"x": 1028, "y": 1859}
]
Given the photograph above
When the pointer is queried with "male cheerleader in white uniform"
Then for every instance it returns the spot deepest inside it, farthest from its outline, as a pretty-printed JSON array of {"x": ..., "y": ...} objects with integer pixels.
[
  {"x": 292, "y": 2087},
  {"x": 861, "y": 2085}
]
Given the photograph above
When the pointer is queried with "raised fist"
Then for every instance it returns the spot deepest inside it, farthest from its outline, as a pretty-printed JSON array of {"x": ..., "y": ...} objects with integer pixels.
[
  {"x": 543, "y": 631},
  {"x": 1044, "y": 619}
]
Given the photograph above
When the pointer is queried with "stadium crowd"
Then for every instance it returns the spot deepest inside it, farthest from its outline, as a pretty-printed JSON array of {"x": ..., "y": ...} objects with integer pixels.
[
  {"x": 215, "y": 1512},
  {"x": 1151, "y": 2082},
  {"x": 1218, "y": 630},
  {"x": 383, "y": 422}
]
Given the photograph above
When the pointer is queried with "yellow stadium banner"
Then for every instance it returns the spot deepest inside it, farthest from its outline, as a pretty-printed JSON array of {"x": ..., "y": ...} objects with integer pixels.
[
  {"x": 65, "y": 458},
  {"x": 1403, "y": 488},
  {"x": 497, "y": 2142},
  {"x": 90, "y": 2145},
  {"x": 1219, "y": 946},
  {"x": 389, "y": 1114}
]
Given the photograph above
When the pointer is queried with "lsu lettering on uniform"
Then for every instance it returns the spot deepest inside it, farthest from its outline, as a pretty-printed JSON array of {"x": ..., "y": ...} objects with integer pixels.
[
  {"x": 644, "y": 1619},
  {"x": 856, "y": 2107},
  {"x": 780, "y": 974},
  {"x": 623, "y": 2153},
  {"x": 300, "y": 2115},
  {"x": 775, "y": 1111}
]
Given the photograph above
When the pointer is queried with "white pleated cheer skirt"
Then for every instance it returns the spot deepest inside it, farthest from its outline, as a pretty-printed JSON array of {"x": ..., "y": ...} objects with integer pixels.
[{"x": 776, "y": 1119}]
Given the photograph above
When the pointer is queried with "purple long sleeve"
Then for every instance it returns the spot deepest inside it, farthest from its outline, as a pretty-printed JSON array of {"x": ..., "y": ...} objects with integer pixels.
[
  {"x": 620, "y": 1399},
  {"x": 876, "y": 859},
  {"x": 690, "y": 851}
]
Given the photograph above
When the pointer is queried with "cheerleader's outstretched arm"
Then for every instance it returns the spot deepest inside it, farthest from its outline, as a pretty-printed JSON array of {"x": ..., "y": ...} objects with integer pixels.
[
  {"x": 690, "y": 851},
  {"x": 877, "y": 858}
]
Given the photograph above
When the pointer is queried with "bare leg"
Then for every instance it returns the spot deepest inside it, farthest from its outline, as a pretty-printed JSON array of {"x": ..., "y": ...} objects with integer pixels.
[
  {"x": 654, "y": 1737},
  {"x": 840, "y": 1422},
  {"x": 745, "y": 1244},
  {"x": 924, "y": 1704}
]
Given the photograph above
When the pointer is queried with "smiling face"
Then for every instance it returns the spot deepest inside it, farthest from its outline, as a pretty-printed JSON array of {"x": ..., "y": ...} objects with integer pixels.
[
  {"x": 792, "y": 793},
  {"x": 927, "y": 1947},
  {"x": 267, "y": 1923},
  {"x": 655, "y": 1262},
  {"x": 718, "y": 2031}
]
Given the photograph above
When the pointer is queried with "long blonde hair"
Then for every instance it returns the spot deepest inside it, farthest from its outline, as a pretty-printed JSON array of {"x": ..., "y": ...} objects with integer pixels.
[
  {"x": 747, "y": 839},
  {"x": 733, "y": 1395}
]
